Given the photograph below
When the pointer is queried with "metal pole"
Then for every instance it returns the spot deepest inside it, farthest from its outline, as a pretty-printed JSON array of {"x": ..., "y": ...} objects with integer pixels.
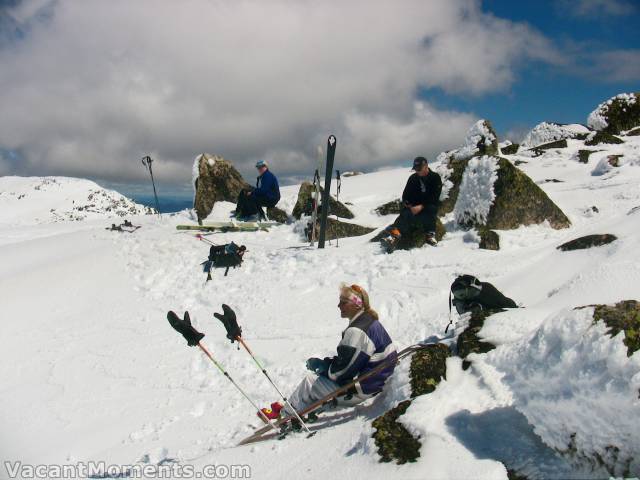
[{"x": 147, "y": 161}]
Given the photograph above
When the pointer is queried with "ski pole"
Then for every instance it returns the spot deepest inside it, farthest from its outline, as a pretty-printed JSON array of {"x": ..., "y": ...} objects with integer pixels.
[
  {"x": 338, "y": 184},
  {"x": 234, "y": 332},
  {"x": 147, "y": 161},
  {"x": 200, "y": 237},
  {"x": 193, "y": 338}
]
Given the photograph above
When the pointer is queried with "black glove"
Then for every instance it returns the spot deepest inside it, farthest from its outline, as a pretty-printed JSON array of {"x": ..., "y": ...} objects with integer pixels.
[
  {"x": 319, "y": 366},
  {"x": 184, "y": 328},
  {"x": 228, "y": 319}
]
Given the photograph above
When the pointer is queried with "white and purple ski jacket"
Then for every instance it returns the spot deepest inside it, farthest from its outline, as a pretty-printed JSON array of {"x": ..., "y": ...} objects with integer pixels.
[{"x": 365, "y": 344}]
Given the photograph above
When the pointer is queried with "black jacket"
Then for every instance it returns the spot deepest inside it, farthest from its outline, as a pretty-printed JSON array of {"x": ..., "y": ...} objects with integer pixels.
[{"x": 423, "y": 190}]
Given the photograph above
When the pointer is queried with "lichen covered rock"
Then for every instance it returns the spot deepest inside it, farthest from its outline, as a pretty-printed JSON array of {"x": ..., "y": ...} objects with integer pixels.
[
  {"x": 510, "y": 149},
  {"x": 489, "y": 240},
  {"x": 216, "y": 179},
  {"x": 469, "y": 340},
  {"x": 277, "y": 215},
  {"x": 617, "y": 114},
  {"x": 390, "y": 208},
  {"x": 338, "y": 229},
  {"x": 394, "y": 441},
  {"x": 304, "y": 203},
  {"x": 621, "y": 317}
]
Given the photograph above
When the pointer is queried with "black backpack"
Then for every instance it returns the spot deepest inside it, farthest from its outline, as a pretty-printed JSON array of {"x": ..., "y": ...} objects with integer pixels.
[
  {"x": 469, "y": 294},
  {"x": 223, "y": 256}
]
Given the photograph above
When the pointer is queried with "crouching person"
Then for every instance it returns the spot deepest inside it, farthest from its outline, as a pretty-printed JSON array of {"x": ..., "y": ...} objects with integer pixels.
[{"x": 364, "y": 346}]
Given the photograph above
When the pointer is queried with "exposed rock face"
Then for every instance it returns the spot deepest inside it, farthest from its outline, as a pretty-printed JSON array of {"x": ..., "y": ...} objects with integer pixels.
[
  {"x": 587, "y": 241},
  {"x": 633, "y": 133},
  {"x": 304, "y": 204},
  {"x": 519, "y": 201},
  {"x": 277, "y": 215},
  {"x": 389, "y": 208},
  {"x": 489, "y": 240},
  {"x": 550, "y": 145},
  {"x": 217, "y": 180},
  {"x": 338, "y": 229},
  {"x": 469, "y": 341},
  {"x": 583, "y": 155},
  {"x": 602, "y": 137},
  {"x": 622, "y": 317},
  {"x": 617, "y": 114},
  {"x": 510, "y": 149},
  {"x": 394, "y": 441}
]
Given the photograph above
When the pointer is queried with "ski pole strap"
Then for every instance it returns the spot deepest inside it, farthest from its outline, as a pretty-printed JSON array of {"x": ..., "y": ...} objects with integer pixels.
[{"x": 450, "y": 319}]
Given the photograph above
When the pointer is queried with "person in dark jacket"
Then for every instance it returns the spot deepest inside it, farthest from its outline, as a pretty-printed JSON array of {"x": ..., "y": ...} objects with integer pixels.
[
  {"x": 420, "y": 201},
  {"x": 266, "y": 194},
  {"x": 365, "y": 344}
]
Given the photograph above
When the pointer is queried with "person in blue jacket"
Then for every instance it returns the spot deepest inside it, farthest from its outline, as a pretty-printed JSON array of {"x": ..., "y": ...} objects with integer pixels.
[
  {"x": 365, "y": 344},
  {"x": 266, "y": 194}
]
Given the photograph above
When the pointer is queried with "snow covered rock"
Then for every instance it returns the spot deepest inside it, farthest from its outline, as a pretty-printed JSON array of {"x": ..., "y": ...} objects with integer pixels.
[
  {"x": 510, "y": 149},
  {"x": 577, "y": 380},
  {"x": 38, "y": 200},
  {"x": 215, "y": 179},
  {"x": 617, "y": 114},
  {"x": 497, "y": 195},
  {"x": 393, "y": 440},
  {"x": 304, "y": 203},
  {"x": 597, "y": 138},
  {"x": 547, "y": 132},
  {"x": 481, "y": 139}
]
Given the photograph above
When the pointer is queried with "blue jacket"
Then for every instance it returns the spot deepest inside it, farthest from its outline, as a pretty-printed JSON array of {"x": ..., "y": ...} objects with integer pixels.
[
  {"x": 364, "y": 345},
  {"x": 267, "y": 189}
]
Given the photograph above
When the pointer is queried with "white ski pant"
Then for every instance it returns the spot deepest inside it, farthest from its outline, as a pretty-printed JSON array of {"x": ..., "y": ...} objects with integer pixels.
[{"x": 313, "y": 387}]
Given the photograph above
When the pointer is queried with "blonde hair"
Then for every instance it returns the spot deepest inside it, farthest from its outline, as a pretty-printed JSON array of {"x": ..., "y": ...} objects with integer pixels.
[{"x": 357, "y": 290}]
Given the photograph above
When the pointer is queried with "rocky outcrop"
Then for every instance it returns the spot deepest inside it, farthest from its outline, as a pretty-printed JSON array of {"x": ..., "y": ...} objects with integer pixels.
[
  {"x": 547, "y": 133},
  {"x": 587, "y": 241},
  {"x": 217, "y": 180},
  {"x": 539, "y": 150},
  {"x": 621, "y": 317},
  {"x": 338, "y": 229},
  {"x": 617, "y": 114},
  {"x": 583, "y": 155},
  {"x": 277, "y": 215},
  {"x": 517, "y": 201},
  {"x": 602, "y": 137},
  {"x": 304, "y": 203},
  {"x": 489, "y": 240},
  {"x": 510, "y": 149},
  {"x": 469, "y": 341},
  {"x": 393, "y": 440},
  {"x": 390, "y": 208}
]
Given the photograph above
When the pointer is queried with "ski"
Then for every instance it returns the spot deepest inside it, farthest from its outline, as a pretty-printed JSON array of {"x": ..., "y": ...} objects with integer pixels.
[
  {"x": 230, "y": 226},
  {"x": 259, "y": 435},
  {"x": 316, "y": 196},
  {"x": 331, "y": 152}
]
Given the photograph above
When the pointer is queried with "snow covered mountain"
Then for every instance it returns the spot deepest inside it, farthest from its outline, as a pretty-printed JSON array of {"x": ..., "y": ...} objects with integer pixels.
[
  {"x": 92, "y": 372},
  {"x": 38, "y": 200}
]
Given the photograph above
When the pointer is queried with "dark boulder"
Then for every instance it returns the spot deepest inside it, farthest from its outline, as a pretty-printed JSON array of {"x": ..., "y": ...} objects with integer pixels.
[
  {"x": 602, "y": 137},
  {"x": 338, "y": 229},
  {"x": 510, "y": 149},
  {"x": 547, "y": 146},
  {"x": 587, "y": 241},
  {"x": 390, "y": 208},
  {"x": 583, "y": 155},
  {"x": 489, "y": 240},
  {"x": 277, "y": 215},
  {"x": 217, "y": 180},
  {"x": 304, "y": 203},
  {"x": 428, "y": 367}
]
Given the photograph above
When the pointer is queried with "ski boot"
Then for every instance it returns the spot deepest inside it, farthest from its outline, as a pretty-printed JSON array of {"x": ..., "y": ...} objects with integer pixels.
[
  {"x": 431, "y": 239},
  {"x": 390, "y": 241},
  {"x": 272, "y": 413}
]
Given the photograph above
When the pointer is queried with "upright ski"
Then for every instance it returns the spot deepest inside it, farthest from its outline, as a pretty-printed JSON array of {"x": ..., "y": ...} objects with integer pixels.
[
  {"x": 331, "y": 152},
  {"x": 316, "y": 196}
]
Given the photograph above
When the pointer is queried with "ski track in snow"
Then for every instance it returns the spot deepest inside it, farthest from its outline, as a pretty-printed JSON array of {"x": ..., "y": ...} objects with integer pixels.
[{"x": 96, "y": 373}]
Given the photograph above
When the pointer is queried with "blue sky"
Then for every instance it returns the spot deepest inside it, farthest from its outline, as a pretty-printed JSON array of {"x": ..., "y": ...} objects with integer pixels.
[{"x": 87, "y": 92}]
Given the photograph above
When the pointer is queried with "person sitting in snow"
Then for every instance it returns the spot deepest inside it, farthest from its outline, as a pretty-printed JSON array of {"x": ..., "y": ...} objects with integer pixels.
[
  {"x": 420, "y": 200},
  {"x": 365, "y": 345},
  {"x": 266, "y": 194}
]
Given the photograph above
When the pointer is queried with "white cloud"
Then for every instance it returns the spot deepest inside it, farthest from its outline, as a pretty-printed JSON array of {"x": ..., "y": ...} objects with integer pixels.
[{"x": 96, "y": 85}]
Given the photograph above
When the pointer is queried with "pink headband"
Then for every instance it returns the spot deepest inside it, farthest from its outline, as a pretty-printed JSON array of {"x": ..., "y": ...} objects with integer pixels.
[{"x": 355, "y": 299}]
